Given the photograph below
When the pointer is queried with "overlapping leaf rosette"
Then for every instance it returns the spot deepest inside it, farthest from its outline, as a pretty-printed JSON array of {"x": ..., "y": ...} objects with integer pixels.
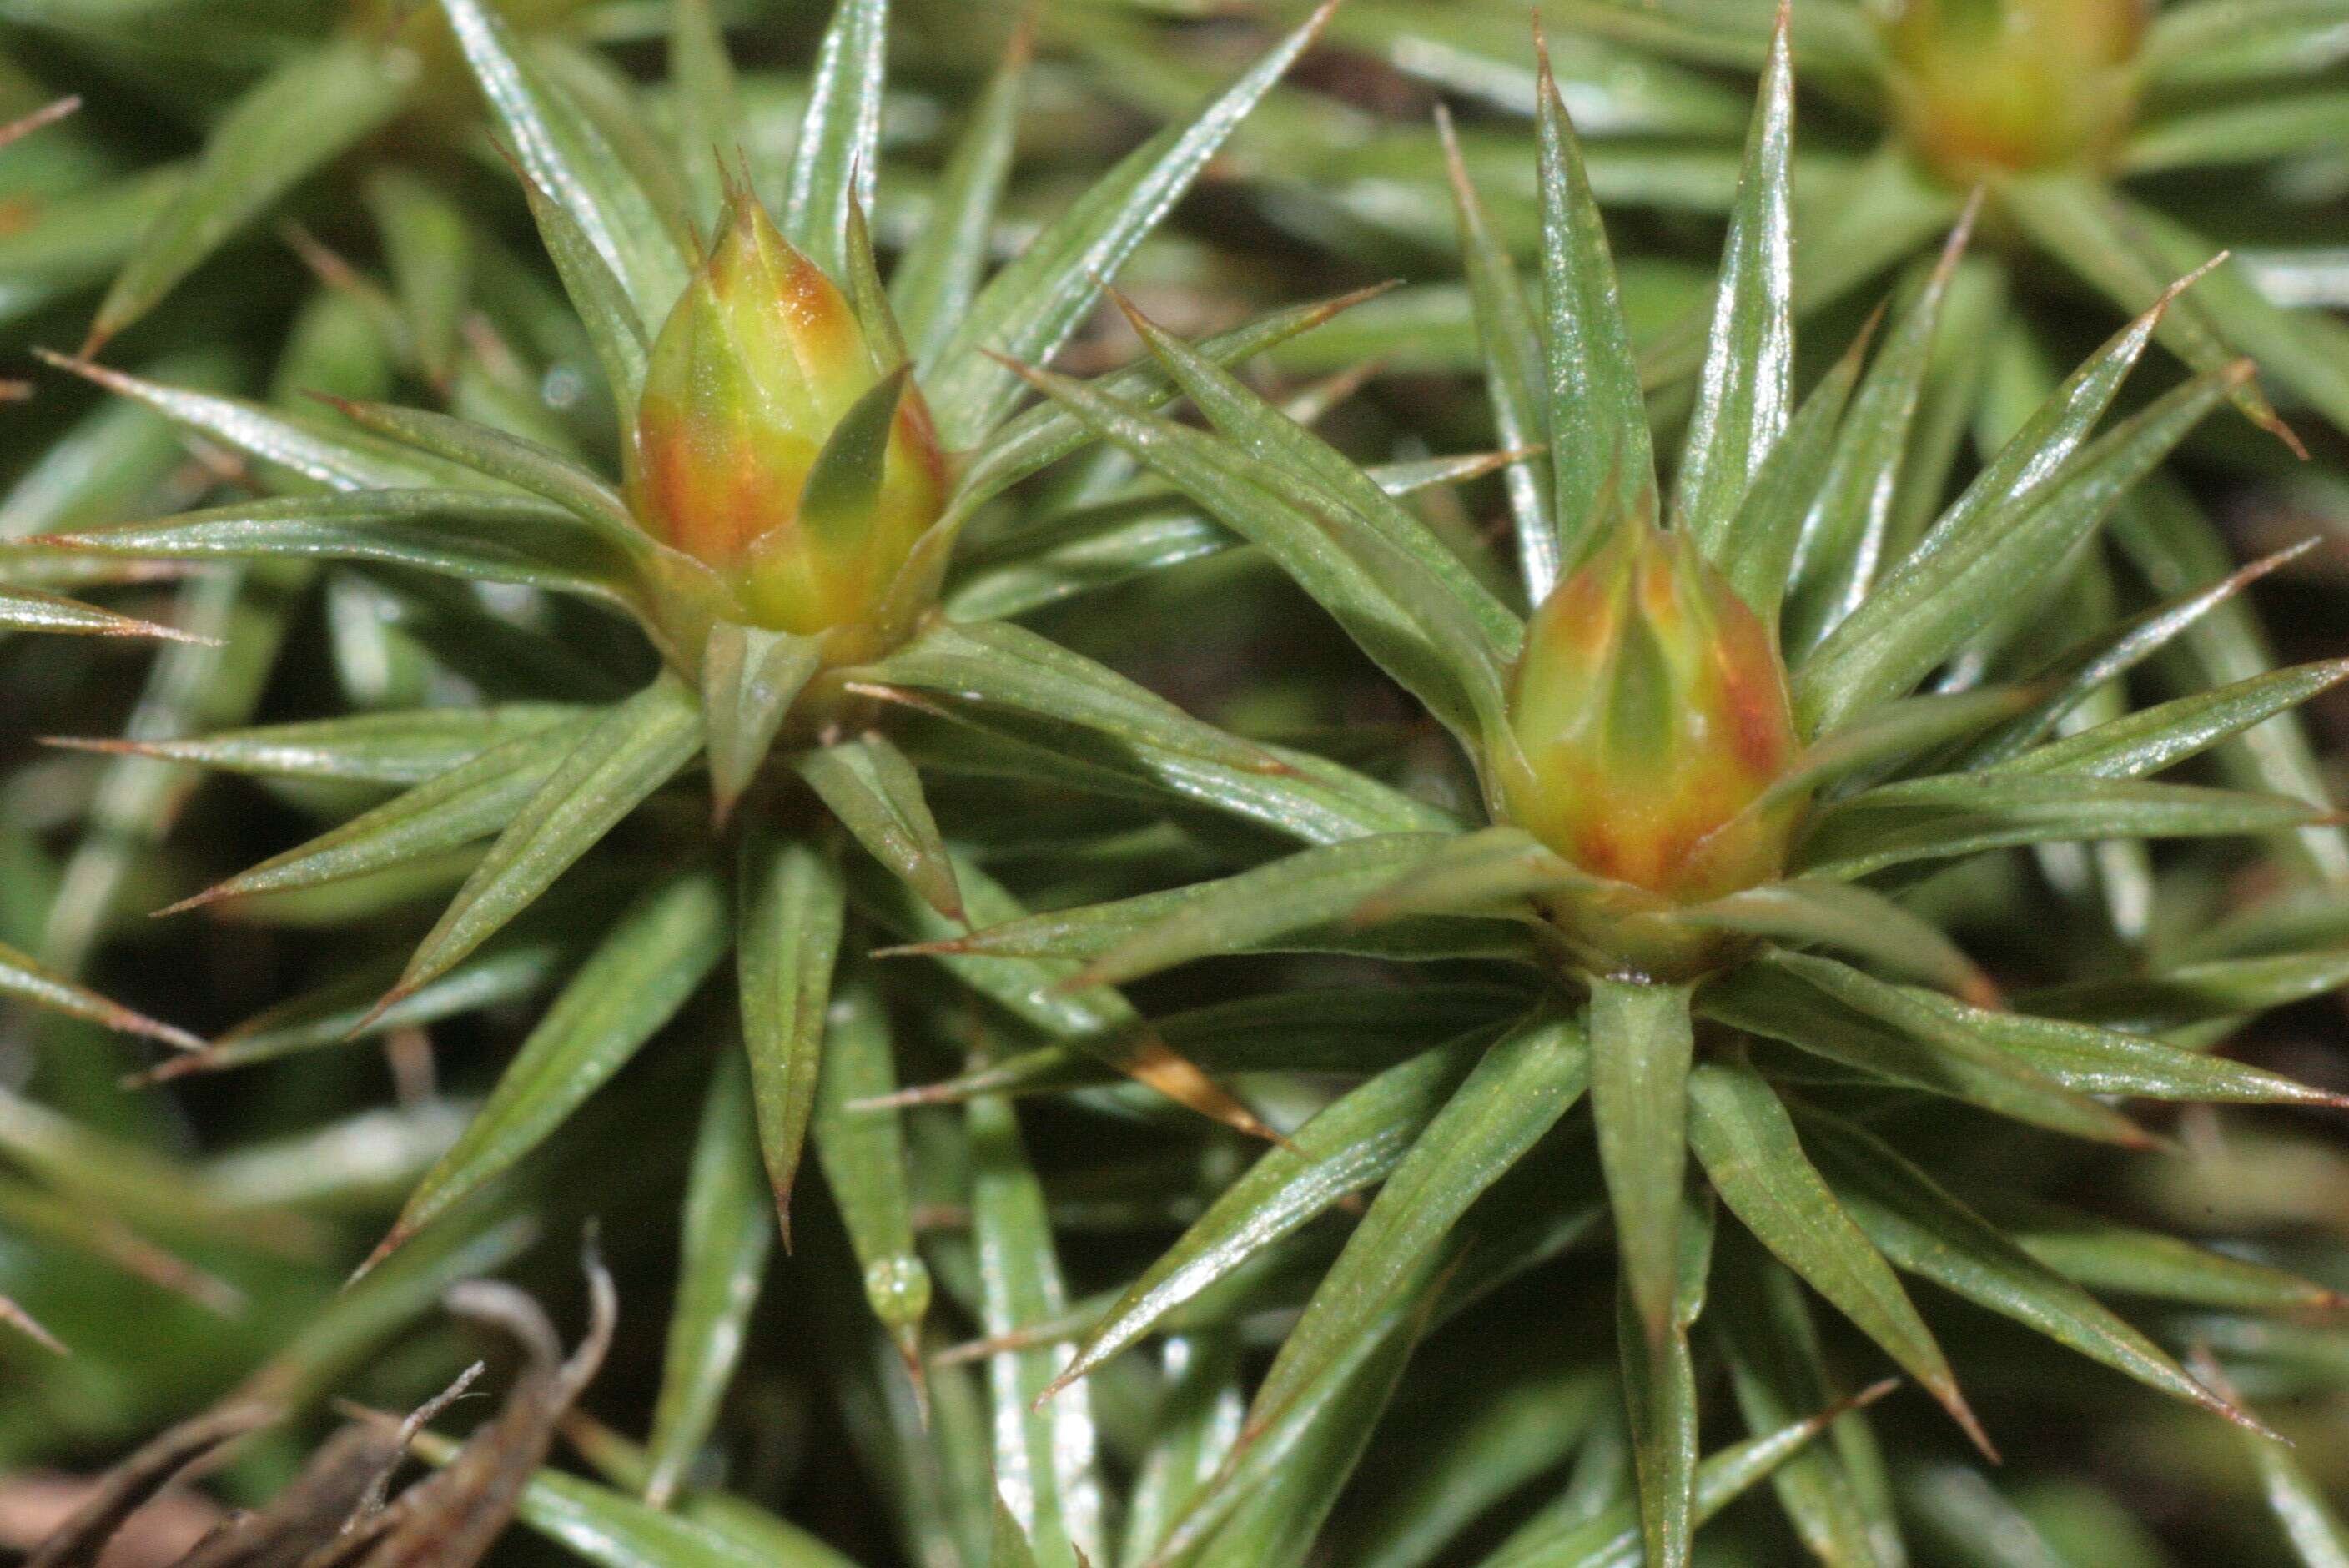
[{"x": 1742, "y": 726}]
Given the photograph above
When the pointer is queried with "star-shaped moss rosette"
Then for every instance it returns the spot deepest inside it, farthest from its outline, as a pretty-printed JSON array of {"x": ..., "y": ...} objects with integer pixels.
[
  {"x": 1703, "y": 804},
  {"x": 2161, "y": 136},
  {"x": 804, "y": 447}
]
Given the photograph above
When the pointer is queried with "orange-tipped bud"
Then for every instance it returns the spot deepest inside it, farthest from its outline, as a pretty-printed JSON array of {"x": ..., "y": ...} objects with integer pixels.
[
  {"x": 1984, "y": 87},
  {"x": 770, "y": 447},
  {"x": 1650, "y": 708}
]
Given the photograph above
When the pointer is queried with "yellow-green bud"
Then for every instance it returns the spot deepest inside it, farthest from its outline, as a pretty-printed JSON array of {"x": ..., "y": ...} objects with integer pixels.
[
  {"x": 1650, "y": 708},
  {"x": 761, "y": 369},
  {"x": 1984, "y": 87}
]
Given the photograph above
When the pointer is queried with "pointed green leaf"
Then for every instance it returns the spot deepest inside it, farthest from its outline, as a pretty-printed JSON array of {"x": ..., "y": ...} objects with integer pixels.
[
  {"x": 309, "y": 449},
  {"x": 407, "y": 747},
  {"x": 655, "y": 957},
  {"x": 709, "y": 107},
  {"x": 939, "y": 274},
  {"x": 2125, "y": 251},
  {"x": 615, "y": 327},
  {"x": 877, "y": 796},
  {"x": 789, "y": 920},
  {"x": 1892, "y": 1032},
  {"x": 1511, "y": 349},
  {"x": 1745, "y": 388},
  {"x": 2093, "y": 1060},
  {"x": 466, "y": 803},
  {"x": 1516, "y": 1093},
  {"x": 1325, "y": 547},
  {"x": 1352, "y": 1143},
  {"x": 1927, "y": 1231},
  {"x": 1196, "y": 1428},
  {"x": 1747, "y": 1145},
  {"x": 1902, "y": 728},
  {"x": 724, "y": 1237},
  {"x": 1962, "y": 814},
  {"x": 1641, "y": 1046},
  {"x": 835, "y": 503},
  {"x": 1612, "y": 1538},
  {"x": 2231, "y": 41},
  {"x": 836, "y": 161},
  {"x": 1809, "y": 910},
  {"x": 562, "y": 149},
  {"x": 429, "y": 248},
  {"x": 862, "y": 1147},
  {"x": 633, "y": 750},
  {"x": 1602, "y": 458},
  {"x": 1846, "y": 533},
  {"x": 1484, "y": 871},
  {"x": 524, "y": 464},
  {"x": 1044, "y": 1461},
  {"x": 1307, "y": 471},
  {"x": 2154, "y": 738},
  {"x": 1045, "y": 435},
  {"x": 294, "y": 122},
  {"x": 460, "y": 534},
  {"x": 24, "y": 980},
  {"x": 2105, "y": 1257},
  {"x": 612, "y": 1530},
  {"x": 750, "y": 678},
  {"x": 1034, "y": 304},
  {"x": 1939, "y": 593},
  {"x": 1778, "y": 1367},
  {"x": 30, "y": 610},
  {"x": 1757, "y": 552},
  {"x": 1660, "y": 1398}
]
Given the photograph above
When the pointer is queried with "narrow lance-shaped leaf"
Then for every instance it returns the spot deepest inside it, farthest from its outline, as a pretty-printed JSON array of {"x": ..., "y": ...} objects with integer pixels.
[
  {"x": 1032, "y": 304},
  {"x": 836, "y": 161},
  {"x": 296, "y": 121},
  {"x": 569, "y": 157},
  {"x": 512, "y": 459},
  {"x": 709, "y": 107},
  {"x": 1612, "y": 1538},
  {"x": 1847, "y": 533},
  {"x": 750, "y": 678},
  {"x": 1285, "y": 447},
  {"x": 939, "y": 274},
  {"x": 632, "y": 984},
  {"x": 428, "y": 247},
  {"x": 1513, "y": 373},
  {"x": 31, "y": 610},
  {"x": 1641, "y": 1042},
  {"x": 861, "y": 1142},
  {"x": 1602, "y": 458},
  {"x": 460, "y": 533},
  {"x": 1659, "y": 1396},
  {"x": 1901, "y": 1034},
  {"x": 1745, "y": 388},
  {"x": 1927, "y": 1231},
  {"x": 1337, "y": 574},
  {"x": 1920, "y": 614},
  {"x": 2163, "y": 736},
  {"x": 726, "y": 1235},
  {"x": 1349, "y": 1144},
  {"x": 1045, "y": 1463},
  {"x": 24, "y": 980},
  {"x": 1758, "y": 550},
  {"x": 877, "y": 796},
  {"x": 1856, "y": 919},
  {"x": 1778, "y": 1367},
  {"x": 1516, "y": 1093},
  {"x": 1748, "y": 1144},
  {"x": 632, "y": 751},
  {"x": 468, "y": 803},
  {"x": 791, "y": 910}
]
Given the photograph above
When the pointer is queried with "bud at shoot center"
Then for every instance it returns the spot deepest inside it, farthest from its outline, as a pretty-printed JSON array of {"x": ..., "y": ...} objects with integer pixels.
[
  {"x": 1984, "y": 87},
  {"x": 770, "y": 447},
  {"x": 1650, "y": 707}
]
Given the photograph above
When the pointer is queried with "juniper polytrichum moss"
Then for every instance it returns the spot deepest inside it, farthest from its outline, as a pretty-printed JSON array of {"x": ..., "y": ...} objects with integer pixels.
[{"x": 1633, "y": 1033}]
